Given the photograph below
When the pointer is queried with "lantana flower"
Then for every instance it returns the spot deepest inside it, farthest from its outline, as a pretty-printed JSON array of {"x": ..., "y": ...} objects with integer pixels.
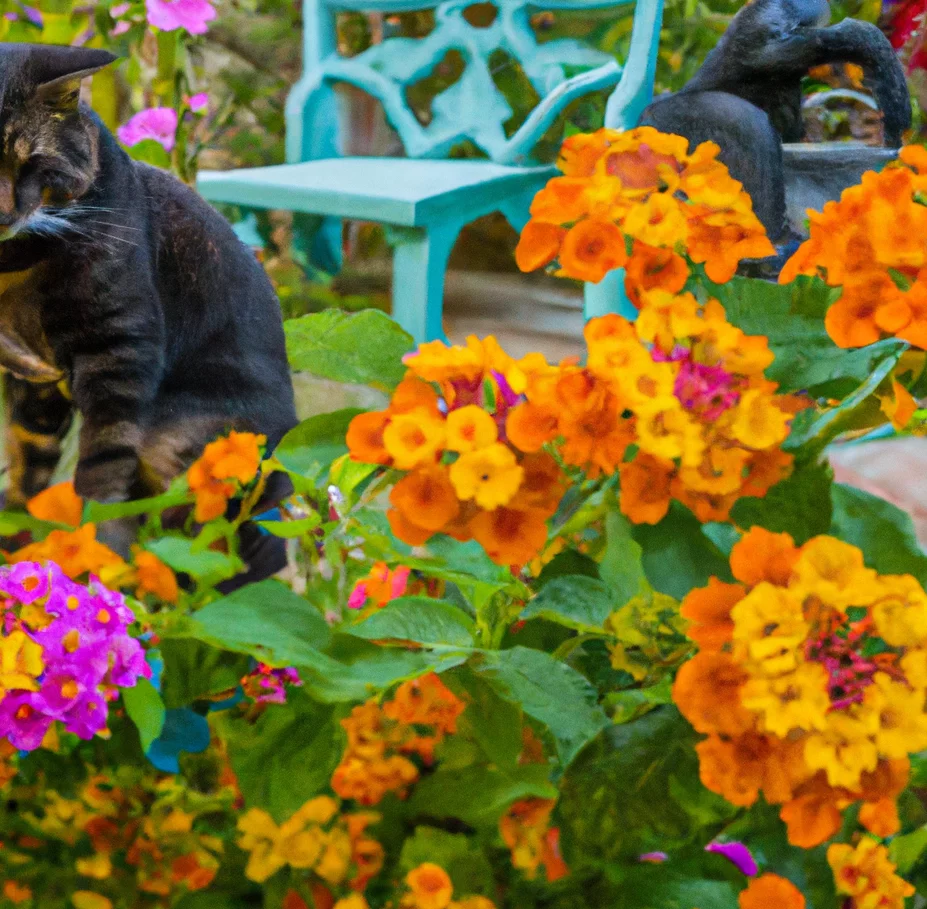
[
  {"x": 871, "y": 244},
  {"x": 64, "y": 654},
  {"x": 809, "y": 683},
  {"x": 638, "y": 199}
]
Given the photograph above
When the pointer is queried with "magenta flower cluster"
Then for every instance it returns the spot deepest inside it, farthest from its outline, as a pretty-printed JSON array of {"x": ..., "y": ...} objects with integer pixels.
[
  {"x": 265, "y": 685},
  {"x": 77, "y": 638}
]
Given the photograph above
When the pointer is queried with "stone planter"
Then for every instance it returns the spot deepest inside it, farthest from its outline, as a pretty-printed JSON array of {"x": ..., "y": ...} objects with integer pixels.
[{"x": 816, "y": 173}]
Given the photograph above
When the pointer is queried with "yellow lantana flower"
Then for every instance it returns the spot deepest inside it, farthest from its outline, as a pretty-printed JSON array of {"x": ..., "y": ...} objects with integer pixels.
[
  {"x": 844, "y": 750},
  {"x": 665, "y": 430},
  {"x": 902, "y": 723},
  {"x": 414, "y": 439},
  {"x": 470, "y": 428},
  {"x": 759, "y": 423},
  {"x": 798, "y": 700},
  {"x": 20, "y": 663},
  {"x": 901, "y": 614},
  {"x": 834, "y": 572},
  {"x": 491, "y": 476}
]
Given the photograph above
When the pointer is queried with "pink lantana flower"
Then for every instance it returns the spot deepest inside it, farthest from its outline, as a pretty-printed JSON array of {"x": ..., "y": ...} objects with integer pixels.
[
  {"x": 190, "y": 15},
  {"x": 158, "y": 123}
]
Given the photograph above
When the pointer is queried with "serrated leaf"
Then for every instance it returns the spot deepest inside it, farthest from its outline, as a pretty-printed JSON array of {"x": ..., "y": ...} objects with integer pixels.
[
  {"x": 575, "y": 601},
  {"x": 357, "y": 670},
  {"x": 146, "y": 709},
  {"x": 450, "y": 794},
  {"x": 286, "y": 756},
  {"x": 426, "y": 621},
  {"x": 617, "y": 802},
  {"x": 799, "y": 505},
  {"x": 311, "y": 447},
  {"x": 792, "y": 317},
  {"x": 364, "y": 347},
  {"x": 881, "y": 530},
  {"x": 548, "y": 690},
  {"x": 265, "y": 620}
]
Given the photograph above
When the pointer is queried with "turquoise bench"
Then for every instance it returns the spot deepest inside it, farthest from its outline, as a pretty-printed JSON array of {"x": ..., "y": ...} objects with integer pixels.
[{"x": 427, "y": 198}]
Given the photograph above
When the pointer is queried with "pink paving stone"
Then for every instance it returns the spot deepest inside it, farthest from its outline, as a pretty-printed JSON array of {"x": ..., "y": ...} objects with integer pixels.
[{"x": 895, "y": 469}]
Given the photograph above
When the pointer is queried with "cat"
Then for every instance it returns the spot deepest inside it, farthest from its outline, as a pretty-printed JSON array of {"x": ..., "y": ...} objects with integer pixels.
[{"x": 123, "y": 296}]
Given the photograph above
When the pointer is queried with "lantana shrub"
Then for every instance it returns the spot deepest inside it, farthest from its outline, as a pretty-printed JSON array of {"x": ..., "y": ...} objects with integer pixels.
[{"x": 603, "y": 632}]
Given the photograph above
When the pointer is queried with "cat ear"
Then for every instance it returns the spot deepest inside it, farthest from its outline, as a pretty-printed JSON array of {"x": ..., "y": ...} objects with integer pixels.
[{"x": 57, "y": 71}]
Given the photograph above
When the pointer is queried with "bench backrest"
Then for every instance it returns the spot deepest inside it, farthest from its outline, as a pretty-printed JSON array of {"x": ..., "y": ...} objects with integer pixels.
[{"x": 472, "y": 108}]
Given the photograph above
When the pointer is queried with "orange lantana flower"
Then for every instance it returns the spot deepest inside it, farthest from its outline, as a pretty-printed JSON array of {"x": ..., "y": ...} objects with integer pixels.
[
  {"x": 153, "y": 576},
  {"x": 646, "y": 488},
  {"x": 770, "y": 891},
  {"x": 651, "y": 267},
  {"x": 426, "y": 498},
  {"x": 59, "y": 504},
  {"x": 430, "y": 886},
  {"x": 365, "y": 437},
  {"x": 224, "y": 462},
  {"x": 708, "y": 610},
  {"x": 510, "y": 536},
  {"x": 708, "y": 692},
  {"x": 76, "y": 552},
  {"x": 760, "y": 555},
  {"x": 530, "y": 426},
  {"x": 591, "y": 249},
  {"x": 538, "y": 245}
]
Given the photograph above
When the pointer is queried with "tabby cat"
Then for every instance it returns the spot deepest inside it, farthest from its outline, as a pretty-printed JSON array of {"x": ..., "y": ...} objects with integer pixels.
[{"x": 122, "y": 295}]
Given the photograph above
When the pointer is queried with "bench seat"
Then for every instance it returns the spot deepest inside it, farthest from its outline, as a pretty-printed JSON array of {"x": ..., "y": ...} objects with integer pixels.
[{"x": 400, "y": 191}]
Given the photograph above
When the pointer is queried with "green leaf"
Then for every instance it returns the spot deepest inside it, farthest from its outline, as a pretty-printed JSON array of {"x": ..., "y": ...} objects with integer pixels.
[
  {"x": 312, "y": 446},
  {"x": 619, "y": 798},
  {"x": 677, "y": 556},
  {"x": 287, "y": 756},
  {"x": 206, "y": 565},
  {"x": 816, "y": 429},
  {"x": 881, "y": 530},
  {"x": 146, "y": 709},
  {"x": 622, "y": 567},
  {"x": 577, "y": 602},
  {"x": 194, "y": 670},
  {"x": 492, "y": 722},
  {"x": 800, "y": 504},
  {"x": 432, "y": 623},
  {"x": 792, "y": 317},
  {"x": 357, "y": 670},
  {"x": 265, "y": 620},
  {"x": 364, "y": 347},
  {"x": 291, "y": 529},
  {"x": 150, "y": 151},
  {"x": 548, "y": 690},
  {"x": 463, "y": 859},
  {"x": 449, "y": 793},
  {"x": 906, "y": 851}
]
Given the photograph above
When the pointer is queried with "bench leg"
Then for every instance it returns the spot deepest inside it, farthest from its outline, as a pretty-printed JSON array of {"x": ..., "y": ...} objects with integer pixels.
[
  {"x": 419, "y": 262},
  {"x": 608, "y": 296}
]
